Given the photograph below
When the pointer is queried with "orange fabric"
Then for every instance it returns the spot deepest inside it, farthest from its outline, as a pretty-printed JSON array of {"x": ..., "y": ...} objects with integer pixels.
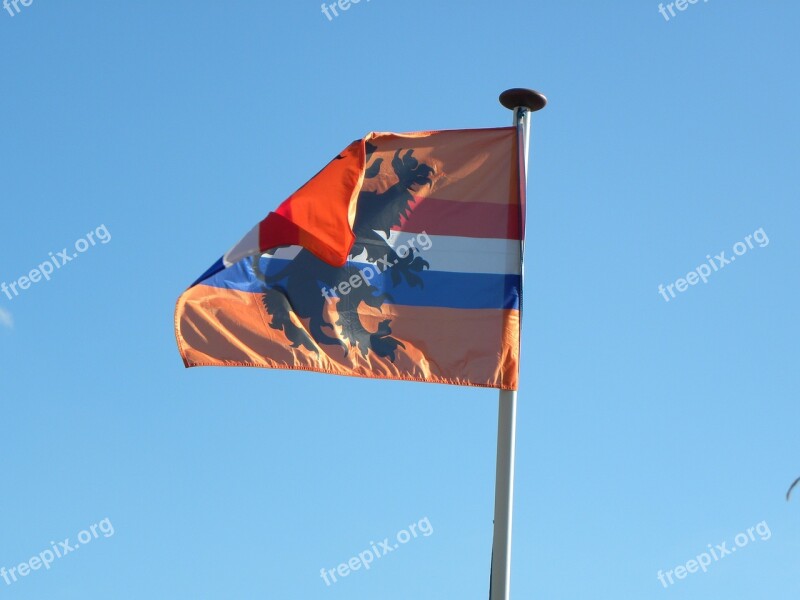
[
  {"x": 319, "y": 216},
  {"x": 223, "y": 327},
  {"x": 477, "y": 160}
]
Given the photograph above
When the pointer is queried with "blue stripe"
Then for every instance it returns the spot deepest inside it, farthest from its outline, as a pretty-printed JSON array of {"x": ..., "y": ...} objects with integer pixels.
[
  {"x": 441, "y": 289},
  {"x": 212, "y": 270}
]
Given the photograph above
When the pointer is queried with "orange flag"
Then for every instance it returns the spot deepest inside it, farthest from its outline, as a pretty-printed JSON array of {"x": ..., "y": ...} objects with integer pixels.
[{"x": 399, "y": 260}]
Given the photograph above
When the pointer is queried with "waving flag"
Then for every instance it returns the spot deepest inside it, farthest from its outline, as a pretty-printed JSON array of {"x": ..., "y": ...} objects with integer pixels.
[{"x": 399, "y": 260}]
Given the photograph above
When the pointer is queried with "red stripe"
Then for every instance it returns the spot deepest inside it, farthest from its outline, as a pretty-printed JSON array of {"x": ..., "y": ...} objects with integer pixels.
[{"x": 464, "y": 219}]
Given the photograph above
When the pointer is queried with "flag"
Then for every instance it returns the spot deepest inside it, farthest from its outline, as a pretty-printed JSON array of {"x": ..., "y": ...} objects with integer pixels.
[{"x": 399, "y": 260}]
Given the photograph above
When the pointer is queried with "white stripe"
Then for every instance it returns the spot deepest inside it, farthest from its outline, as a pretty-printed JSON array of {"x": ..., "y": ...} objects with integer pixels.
[
  {"x": 247, "y": 246},
  {"x": 450, "y": 254}
]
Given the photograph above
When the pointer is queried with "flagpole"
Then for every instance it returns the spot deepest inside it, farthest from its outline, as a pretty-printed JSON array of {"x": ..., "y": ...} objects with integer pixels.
[{"x": 523, "y": 102}]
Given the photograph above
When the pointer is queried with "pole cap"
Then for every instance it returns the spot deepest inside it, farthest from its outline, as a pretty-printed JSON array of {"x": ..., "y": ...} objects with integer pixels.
[{"x": 523, "y": 97}]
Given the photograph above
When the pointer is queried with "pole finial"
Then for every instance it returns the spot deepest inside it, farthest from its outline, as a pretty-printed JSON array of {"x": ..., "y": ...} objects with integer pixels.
[{"x": 522, "y": 97}]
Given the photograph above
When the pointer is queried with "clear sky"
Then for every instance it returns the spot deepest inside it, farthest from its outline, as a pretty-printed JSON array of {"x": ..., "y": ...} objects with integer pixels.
[{"x": 648, "y": 429}]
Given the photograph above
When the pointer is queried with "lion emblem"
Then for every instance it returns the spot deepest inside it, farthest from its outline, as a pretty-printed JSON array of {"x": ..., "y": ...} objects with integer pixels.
[{"x": 297, "y": 287}]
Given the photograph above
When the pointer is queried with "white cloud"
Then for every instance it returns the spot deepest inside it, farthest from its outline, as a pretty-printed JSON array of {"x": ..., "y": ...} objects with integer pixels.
[{"x": 6, "y": 320}]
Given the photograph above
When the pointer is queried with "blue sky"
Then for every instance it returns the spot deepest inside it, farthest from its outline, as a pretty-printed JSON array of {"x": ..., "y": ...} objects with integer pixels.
[{"x": 647, "y": 429}]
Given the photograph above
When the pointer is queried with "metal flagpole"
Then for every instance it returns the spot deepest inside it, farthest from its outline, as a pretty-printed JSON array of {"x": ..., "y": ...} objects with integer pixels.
[{"x": 523, "y": 102}]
